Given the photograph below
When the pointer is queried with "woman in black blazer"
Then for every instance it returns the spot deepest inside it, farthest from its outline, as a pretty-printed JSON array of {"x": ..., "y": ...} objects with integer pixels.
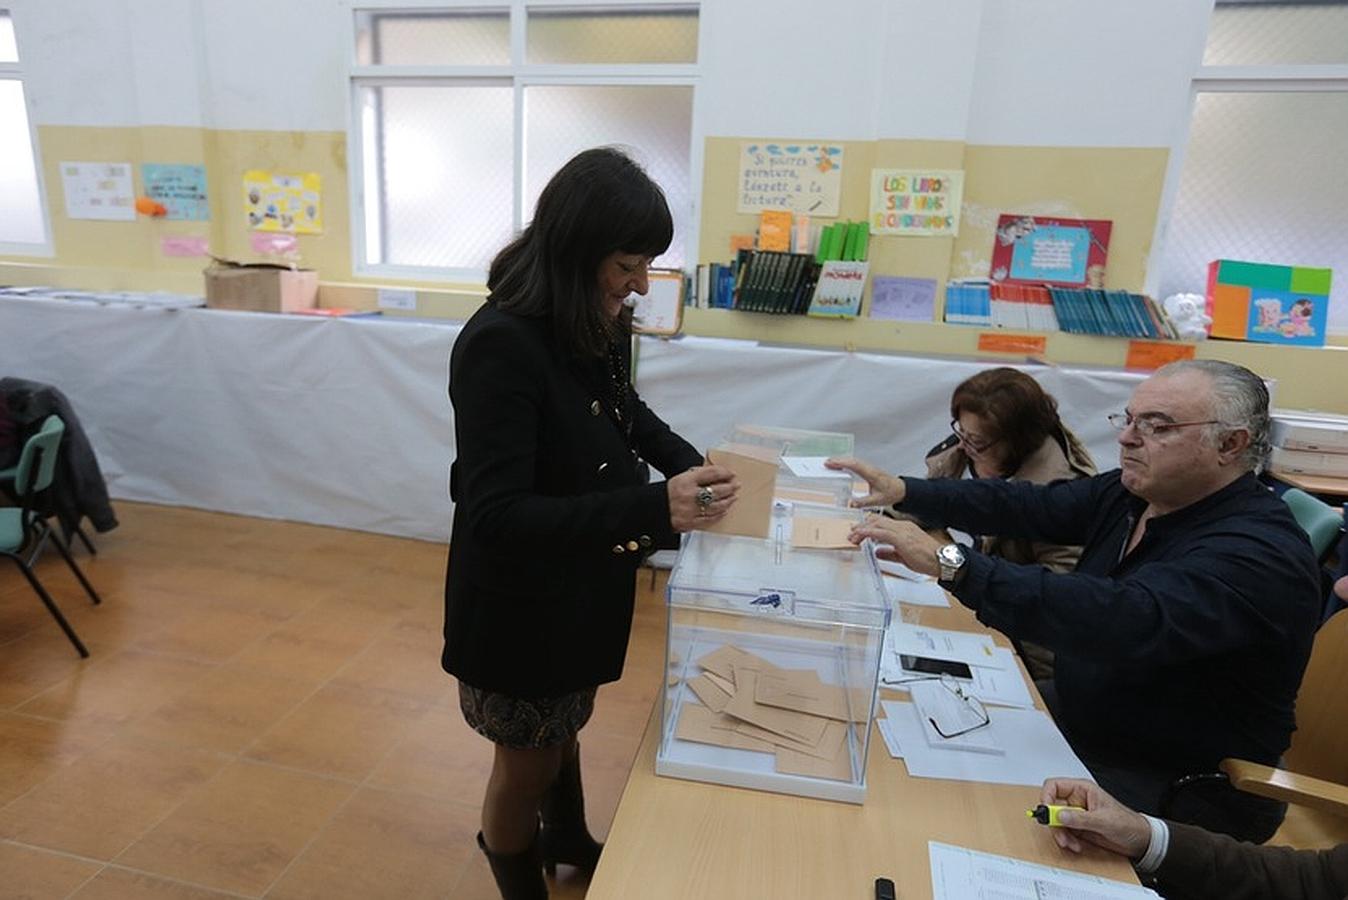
[{"x": 553, "y": 511}]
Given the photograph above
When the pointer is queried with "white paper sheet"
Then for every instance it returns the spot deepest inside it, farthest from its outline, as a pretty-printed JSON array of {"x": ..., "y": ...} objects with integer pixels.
[
  {"x": 813, "y": 467},
  {"x": 961, "y": 874},
  {"x": 902, "y": 571},
  {"x": 916, "y": 593},
  {"x": 939, "y": 643},
  {"x": 936, "y": 703},
  {"x": 1034, "y": 749}
]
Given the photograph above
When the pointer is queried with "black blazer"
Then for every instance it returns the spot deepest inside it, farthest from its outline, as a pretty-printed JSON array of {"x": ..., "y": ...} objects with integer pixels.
[{"x": 552, "y": 514}]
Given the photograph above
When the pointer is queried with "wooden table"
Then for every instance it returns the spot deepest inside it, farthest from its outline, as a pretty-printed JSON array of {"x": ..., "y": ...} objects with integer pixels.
[
  {"x": 1315, "y": 484},
  {"x": 684, "y": 839}
]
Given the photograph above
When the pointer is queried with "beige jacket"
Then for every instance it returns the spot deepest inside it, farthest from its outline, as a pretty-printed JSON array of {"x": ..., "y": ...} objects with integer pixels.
[{"x": 1051, "y": 462}]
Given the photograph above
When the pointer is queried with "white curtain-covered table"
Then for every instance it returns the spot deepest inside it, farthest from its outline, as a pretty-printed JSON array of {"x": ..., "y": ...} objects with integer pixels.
[{"x": 346, "y": 422}]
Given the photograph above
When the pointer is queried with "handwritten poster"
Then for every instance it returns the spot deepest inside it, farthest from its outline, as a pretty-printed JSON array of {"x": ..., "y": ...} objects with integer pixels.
[
  {"x": 286, "y": 202},
  {"x": 181, "y": 188},
  {"x": 903, "y": 299},
  {"x": 802, "y": 178},
  {"x": 98, "y": 190},
  {"x": 922, "y": 202}
]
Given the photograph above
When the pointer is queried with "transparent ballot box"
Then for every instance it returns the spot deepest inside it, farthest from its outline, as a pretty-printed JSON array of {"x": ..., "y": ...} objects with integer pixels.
[
  {"x": 776, "y": 442},
  {"x": 772, "y": 658}
]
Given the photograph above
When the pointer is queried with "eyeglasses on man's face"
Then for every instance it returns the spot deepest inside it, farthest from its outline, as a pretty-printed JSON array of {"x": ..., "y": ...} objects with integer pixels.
[
  {"x": 971, "y": 442},
  {"x": 1149, "y": 426}
]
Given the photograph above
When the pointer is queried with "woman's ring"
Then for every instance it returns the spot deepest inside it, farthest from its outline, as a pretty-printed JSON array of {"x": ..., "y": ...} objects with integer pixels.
[{"x": 705, "y": 496}]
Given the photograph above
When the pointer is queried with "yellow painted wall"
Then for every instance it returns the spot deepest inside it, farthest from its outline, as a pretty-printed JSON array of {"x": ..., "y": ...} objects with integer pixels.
[{"x": 1122, "y": 185}]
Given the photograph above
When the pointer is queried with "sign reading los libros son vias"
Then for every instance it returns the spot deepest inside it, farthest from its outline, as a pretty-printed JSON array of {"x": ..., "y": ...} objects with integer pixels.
[{"x": 919, "y": 202}]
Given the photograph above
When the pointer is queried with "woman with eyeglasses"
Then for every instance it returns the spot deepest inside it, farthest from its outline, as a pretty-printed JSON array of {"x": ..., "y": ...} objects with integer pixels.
[{"x": 1004, "y": 425}]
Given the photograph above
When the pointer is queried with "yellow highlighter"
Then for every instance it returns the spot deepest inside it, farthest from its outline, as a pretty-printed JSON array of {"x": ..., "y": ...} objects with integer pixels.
[{"x": 1048, "y": 815}]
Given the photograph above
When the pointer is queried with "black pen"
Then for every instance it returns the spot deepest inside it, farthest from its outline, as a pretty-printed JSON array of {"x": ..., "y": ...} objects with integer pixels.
[{"x": 884, "y": 889}]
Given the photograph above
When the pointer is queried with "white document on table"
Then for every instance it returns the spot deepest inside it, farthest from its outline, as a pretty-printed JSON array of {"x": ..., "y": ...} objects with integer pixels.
[
  {"x": 938, "y": 704},
  {"x": 1033, "y": 749},
  {"x": 915, "y": 593},
  {"x": 1004, "y": 686},
  {"x": 938, "y": 643},
  {"x": 891, "y": 742},
  {"x": 900, "y": 570},
  {"x": 813, "y": 467},
  {"x": 961, "y": 874}
]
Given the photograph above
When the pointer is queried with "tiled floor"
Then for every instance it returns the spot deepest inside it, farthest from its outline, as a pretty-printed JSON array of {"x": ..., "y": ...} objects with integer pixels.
[{"x": 263, "y": 715}]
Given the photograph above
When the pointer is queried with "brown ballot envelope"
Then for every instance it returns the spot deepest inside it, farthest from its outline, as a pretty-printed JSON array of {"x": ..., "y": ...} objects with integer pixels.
[
  {"x": 802, "y": 690},
  {"x": 800, "y": 727},
  {"x": 751, "y": 513},
  {"x": 793, "y": 762},
  {"x": 821, "y": 532},
  {"x": 702, "y": 725},
  {"x": 724, "y": 659}
]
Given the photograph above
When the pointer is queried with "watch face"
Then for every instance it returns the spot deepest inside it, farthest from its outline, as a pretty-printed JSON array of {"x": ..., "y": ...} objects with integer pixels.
[{"x": 951, "y": 555}]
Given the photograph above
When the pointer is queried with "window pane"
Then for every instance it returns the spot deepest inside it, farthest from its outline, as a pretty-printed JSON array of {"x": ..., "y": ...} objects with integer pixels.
[
  {"x": 1279, "y": 33},
  {"x": 20, "y": 202},
  {"x": 1263, "y": 182},
  {"x": 9, "y": 50},
  {"x": 460, "y": 38},
  {"x": 651, "y": 123},
  {"x": 570, "y": 35},
  {"x": 443, "y": 181}
]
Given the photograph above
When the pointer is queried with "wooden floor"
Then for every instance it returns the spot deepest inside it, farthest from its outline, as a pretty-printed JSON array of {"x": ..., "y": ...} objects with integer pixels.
[{"x": 263, "y": 715}]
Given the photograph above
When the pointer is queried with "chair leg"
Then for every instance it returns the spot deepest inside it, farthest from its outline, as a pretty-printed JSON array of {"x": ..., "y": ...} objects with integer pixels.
[
  {"x": 70, "y": 561},
  {"x": 84, "y": 539},
  {"x": 52, "y": 608}
]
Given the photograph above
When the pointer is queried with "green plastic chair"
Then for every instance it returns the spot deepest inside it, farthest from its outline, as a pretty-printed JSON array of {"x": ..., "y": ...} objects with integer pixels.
[
  {"x": 24, "y": 533},
  {"x": 1320, "y": 520}
]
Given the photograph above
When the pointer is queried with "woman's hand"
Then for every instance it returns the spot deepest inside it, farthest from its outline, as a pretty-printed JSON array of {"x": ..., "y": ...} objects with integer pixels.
[
  {"x": 886, "y": 489},
  {"x": 1105, "y": 821},
  {"x": 900, "y": 541},
  {"x": 700, "y": 496}
]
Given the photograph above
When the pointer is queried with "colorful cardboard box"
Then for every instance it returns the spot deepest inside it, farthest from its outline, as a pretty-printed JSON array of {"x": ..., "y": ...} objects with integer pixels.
[{"x": 1266, "y": 303}]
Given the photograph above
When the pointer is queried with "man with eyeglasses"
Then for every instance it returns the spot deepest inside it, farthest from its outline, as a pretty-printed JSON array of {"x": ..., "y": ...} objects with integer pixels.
[{"x": 1182, "y": 635}]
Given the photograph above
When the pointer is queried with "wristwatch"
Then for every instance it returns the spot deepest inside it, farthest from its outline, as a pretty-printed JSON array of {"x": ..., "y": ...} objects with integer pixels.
[{"x": 951, "y": 560}]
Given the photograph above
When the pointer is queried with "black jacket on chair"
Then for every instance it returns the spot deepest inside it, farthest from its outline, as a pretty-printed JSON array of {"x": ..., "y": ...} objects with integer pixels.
[
  {"x": 79, "y": 490},
  {"x": 552, "y": 512}
]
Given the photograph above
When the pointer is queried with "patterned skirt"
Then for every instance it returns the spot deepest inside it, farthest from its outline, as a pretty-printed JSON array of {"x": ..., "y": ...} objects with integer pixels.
[{"x": 525, "y": 723}]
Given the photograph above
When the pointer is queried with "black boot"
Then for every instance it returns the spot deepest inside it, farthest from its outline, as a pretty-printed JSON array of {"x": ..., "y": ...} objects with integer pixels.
[
  {"x": 564, "y": 837},
  {"x": 519, "y": 876}
]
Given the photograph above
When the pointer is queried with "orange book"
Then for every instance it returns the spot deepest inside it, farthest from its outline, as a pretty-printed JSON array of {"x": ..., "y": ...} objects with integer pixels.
[{"x": 774, "y": 230}]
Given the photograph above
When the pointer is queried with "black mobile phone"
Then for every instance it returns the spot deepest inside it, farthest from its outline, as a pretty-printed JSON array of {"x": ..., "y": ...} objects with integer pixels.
[
  {"x": 929, "y": 666},
  {"x": 884, "y": 889}
]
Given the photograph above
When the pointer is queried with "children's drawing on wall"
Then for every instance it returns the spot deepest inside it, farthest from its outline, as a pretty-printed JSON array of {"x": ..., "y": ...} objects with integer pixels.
[{"x": 284, "y": 202}]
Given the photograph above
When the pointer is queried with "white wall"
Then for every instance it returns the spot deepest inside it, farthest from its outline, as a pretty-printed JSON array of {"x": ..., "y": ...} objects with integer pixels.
[{"x": 1030, "y": 72}]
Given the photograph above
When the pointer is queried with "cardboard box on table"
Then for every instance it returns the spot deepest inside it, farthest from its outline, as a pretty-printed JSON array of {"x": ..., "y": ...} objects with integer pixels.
[{"x": 260, "y": 287}]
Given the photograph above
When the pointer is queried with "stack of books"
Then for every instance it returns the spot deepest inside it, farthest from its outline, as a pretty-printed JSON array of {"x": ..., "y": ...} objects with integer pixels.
[
  {"x": 1034, "y": 307},
  {"x": 1309, "y": 444}
]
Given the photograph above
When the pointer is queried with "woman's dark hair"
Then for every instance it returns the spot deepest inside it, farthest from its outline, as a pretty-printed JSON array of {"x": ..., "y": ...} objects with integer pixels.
[
  {"x": 601, "y": 202},
  {"x": 1018, "y": 411}
]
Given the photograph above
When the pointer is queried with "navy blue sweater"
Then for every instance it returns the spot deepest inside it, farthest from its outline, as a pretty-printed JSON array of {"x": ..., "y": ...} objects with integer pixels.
[{"x": 1189, "y": 650}]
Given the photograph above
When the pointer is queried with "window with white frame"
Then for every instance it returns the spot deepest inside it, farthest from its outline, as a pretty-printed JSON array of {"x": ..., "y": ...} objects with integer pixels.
[
  {"x": 461, "y": 114},
  {"x": 23, "y": 220},
  {"x": 1261, "y": 177}
]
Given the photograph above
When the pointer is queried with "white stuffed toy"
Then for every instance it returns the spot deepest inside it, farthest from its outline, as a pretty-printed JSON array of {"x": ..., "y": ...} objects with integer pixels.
[{"x": 1188, "y": 313}]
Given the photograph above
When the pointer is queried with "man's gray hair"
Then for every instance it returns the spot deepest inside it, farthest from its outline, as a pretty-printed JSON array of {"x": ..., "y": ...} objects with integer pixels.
[{"x": 1239, "y": 400}]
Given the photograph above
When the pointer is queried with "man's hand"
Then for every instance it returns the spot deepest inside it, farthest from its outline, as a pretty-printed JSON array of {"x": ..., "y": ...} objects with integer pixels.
[
  {"x": 700, "y": 496},
  {"x": 1106, "y": 822},
  {"x": 886, "y": 489},
  {"x": 900, "y": 542}
]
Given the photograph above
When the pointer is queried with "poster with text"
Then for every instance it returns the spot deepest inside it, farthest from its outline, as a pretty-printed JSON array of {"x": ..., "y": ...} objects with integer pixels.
[
  {"x": 99, "y": 190},
  {"x": 181, "y": 188},
  {"x": 1048, "y": 250},
  {"x": 916, "y": 202},
  {"x": 804, "y": 178},
  {"x": 286, "y": 202}
]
